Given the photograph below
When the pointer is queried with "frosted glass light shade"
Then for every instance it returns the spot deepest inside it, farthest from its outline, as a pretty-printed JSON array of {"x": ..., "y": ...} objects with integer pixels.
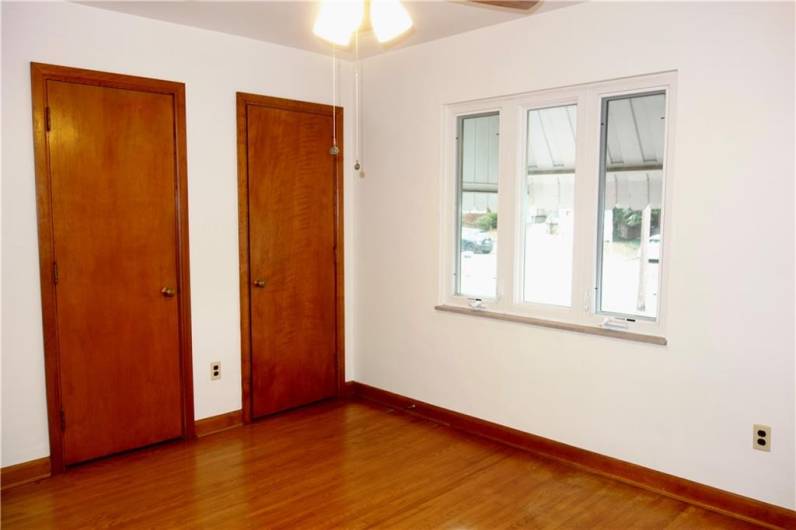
[
  {"x": 389, "y": 19},
  {"x": 338, "y": 19}
]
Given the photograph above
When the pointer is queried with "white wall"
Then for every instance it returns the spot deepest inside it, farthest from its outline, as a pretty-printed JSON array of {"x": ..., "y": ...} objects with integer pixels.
[
  {"x": 685, "y": 409},
  {"x": 214, "y": 66},
  {"x": 688, "y": 408}
]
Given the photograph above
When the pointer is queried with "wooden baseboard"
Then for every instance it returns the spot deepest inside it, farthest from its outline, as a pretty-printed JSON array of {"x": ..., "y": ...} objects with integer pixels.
[
  {"x": 25, "y": 472},
  {"x": 348, "y": 390},
  {"x": 219, "y": 423},
  {"x": 707, "y": 497}
]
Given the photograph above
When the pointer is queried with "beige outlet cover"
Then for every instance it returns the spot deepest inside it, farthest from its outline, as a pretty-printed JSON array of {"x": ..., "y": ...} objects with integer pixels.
[{"x": 756, "y": 430}]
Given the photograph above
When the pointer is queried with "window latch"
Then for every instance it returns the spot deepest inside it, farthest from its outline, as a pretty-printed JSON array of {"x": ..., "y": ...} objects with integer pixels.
[
  {"x": 476, "y": 303},
  {"x": 617, "y": 323}
]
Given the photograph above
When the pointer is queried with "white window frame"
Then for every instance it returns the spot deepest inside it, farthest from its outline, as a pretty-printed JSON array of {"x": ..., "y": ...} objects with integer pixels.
[{"x": 512, "y": 111}]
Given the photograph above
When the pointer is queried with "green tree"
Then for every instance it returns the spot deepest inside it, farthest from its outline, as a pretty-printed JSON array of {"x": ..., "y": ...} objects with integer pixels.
[{"x": 488, "y": 221}]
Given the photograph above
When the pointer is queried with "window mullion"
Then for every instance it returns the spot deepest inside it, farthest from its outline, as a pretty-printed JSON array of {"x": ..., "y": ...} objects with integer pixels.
[
  {"x": 586, "y": 189},
  {"x": 505, "y": 252}
]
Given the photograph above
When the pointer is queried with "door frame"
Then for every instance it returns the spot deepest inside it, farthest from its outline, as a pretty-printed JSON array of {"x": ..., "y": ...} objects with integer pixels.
[
  {"x": 39, "y": 75},
  {"x": 244, "y": 100}
]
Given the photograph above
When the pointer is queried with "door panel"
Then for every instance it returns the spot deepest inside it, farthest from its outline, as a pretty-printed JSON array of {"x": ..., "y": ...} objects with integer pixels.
[
  {"x": 291, "y": 187},
  {"x": 113, "y": 192}
]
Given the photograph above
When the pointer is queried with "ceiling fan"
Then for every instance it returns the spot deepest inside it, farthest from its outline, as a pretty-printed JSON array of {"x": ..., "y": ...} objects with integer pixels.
[
  {"x": 512, "y": 4},
  {"x": 338, "y": 20}
]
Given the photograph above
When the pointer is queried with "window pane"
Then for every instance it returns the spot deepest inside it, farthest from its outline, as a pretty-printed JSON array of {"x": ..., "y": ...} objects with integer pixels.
[
  {"x": 477, "y": 222},
  {"x": 548, "y": 201},
  {"x": 631, "y": 188}
]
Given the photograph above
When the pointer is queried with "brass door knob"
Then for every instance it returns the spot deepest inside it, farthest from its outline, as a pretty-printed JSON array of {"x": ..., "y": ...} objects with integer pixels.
[
  {"x": 168, "y": 292},
  {"x": 259, "y": 283}
]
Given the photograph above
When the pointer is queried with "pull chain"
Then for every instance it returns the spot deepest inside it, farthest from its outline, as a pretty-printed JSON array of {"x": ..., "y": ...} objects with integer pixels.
[
  {"x": 334, "y": 150},
  {"x": 357, "y": 165}
]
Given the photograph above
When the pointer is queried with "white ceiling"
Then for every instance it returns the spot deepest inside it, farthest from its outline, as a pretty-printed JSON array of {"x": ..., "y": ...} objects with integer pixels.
[{"x": 289, "y": 23}]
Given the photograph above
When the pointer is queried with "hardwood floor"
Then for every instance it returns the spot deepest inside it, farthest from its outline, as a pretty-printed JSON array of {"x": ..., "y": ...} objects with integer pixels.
[{"x": 341, "y": 465}]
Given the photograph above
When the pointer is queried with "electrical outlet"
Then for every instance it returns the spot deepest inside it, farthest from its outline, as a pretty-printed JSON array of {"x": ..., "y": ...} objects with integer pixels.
[
  {"x": 761, "y": 437},
  {"x": 215, "y": 370}
]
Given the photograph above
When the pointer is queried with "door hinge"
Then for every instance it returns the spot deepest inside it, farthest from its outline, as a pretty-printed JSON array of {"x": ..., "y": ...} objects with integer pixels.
[
  {"x": 55, "y": 273},
  {"x": 47, "y": 119},
  {"x": 63, "y": 421}
]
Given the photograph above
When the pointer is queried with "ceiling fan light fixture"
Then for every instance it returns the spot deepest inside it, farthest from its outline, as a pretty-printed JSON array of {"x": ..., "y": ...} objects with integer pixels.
[
  {"x": 337, "y": 20},
  {"x": 389, "y": 19}
]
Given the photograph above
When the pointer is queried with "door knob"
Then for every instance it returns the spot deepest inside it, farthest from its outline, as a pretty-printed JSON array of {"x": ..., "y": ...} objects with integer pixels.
[
  {"x": 168, "y": 292},
  {"x": 259, "y": 283}
]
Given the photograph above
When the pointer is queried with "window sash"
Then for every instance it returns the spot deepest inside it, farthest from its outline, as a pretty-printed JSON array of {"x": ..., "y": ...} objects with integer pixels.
[
  {"x": 463, "y": 187},
  {"x": 603, "y": 171},
  {"x": 523, "y": 205}
]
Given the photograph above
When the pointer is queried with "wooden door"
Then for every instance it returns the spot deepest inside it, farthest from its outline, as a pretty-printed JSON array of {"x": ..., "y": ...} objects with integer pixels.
[
  {"x": 113, "y": 177},
  {"x": 292, "y": 188}
]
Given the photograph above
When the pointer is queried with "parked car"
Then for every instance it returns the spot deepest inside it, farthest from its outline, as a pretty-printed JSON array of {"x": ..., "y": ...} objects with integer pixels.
[{"x": 476, "y": 241}]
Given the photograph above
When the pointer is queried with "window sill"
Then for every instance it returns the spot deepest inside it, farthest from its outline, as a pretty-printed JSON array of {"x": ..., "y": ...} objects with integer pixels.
[{"x": 578, "y": 328}]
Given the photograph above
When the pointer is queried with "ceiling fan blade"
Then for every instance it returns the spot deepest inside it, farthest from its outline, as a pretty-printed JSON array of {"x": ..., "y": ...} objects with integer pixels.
[{"x": 513, "y": 4}]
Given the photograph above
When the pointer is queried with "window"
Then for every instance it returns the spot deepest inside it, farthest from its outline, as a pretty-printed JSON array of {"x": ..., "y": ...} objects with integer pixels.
[
  {"x": 478, "y": 205},
  {"x": 582, "y": 173},
  {"x": 548, "y": 219},
  {"x": 631, "y": 193}
]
